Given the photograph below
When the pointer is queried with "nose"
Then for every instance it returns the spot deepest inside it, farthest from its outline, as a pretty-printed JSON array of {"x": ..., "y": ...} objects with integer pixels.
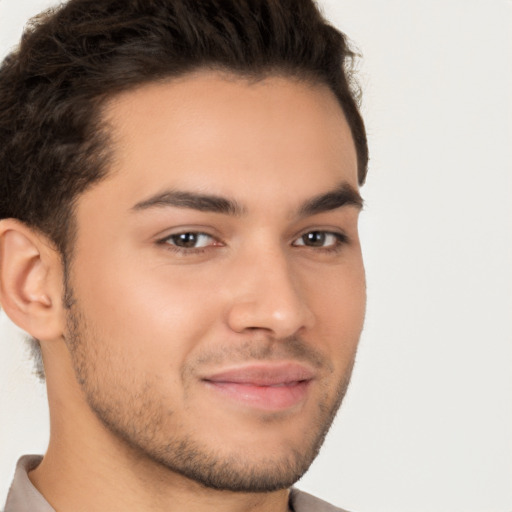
[{"x": 267, "y": 296}]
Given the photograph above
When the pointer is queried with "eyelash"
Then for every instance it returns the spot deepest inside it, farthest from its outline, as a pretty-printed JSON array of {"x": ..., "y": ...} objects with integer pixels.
[{"x": 340, "y": 240}]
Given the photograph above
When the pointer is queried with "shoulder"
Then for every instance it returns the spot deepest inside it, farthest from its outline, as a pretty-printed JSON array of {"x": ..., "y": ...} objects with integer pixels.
[{"x": 303, "y": 502}]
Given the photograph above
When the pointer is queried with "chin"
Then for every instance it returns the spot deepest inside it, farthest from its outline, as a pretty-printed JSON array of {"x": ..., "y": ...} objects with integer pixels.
[{"x": 239, "y": 473}]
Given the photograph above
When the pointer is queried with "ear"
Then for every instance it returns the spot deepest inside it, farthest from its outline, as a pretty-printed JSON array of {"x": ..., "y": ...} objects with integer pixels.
[{"x": 31, "y": 280}]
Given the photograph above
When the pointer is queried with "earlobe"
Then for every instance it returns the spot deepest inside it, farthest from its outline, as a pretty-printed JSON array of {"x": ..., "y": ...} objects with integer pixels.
[{"x": 30, "y": 280}]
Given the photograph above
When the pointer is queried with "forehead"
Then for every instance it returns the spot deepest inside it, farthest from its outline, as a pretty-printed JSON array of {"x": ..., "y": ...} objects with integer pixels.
[{"x": 212, "y": 132}]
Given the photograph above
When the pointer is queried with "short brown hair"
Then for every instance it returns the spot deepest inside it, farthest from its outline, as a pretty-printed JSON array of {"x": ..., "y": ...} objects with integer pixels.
[{"x": 72, "y": 59}]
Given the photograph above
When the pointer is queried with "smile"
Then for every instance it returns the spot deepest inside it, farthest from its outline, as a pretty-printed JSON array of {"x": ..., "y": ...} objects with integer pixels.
[{"x": 268, "y": 387}]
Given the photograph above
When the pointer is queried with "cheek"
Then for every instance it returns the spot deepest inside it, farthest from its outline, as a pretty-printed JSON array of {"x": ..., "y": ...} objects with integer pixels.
[
  {"x": 142, "y": 311},
  {"x": 338, "y": 298}
]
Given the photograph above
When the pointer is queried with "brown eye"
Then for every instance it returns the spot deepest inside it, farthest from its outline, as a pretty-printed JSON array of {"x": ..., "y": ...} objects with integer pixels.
[
  {"x": 190, "y": 240},
  {"x": 314, "y": 239},
  {"x": 321, "y": 239}
]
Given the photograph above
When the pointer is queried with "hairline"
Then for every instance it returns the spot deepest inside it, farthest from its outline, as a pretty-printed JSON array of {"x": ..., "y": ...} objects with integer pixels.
[{"x": 104, "y": 135}]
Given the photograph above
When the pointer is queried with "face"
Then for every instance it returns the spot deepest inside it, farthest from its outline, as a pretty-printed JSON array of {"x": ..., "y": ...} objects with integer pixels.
[{"x": 217, "y": 277}]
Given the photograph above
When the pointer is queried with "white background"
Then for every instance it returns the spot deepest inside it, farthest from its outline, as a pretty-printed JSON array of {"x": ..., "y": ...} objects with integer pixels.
[{"x": 427, "y": 423}]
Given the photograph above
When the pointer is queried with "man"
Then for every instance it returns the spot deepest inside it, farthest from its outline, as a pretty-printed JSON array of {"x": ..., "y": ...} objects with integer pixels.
[{"x": 179, "y": 195}]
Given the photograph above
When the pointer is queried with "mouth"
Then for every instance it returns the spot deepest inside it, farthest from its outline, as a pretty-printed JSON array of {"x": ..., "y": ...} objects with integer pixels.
[{"x": 270, "y": 387}]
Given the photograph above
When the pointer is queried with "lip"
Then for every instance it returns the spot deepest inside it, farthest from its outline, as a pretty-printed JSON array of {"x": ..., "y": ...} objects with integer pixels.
[{"x": 266, "y": 386}]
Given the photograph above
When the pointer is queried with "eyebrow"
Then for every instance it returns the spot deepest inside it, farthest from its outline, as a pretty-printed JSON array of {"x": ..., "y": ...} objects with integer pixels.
[
  {"x": 344, "y": 195},
  {"x": 192, "y": 200}
]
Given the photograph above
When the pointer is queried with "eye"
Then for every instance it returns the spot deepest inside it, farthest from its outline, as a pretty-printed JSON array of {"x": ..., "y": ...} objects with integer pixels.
[
  {"x": 190, "y": 240},
  {"x": 321, "y": 239}
]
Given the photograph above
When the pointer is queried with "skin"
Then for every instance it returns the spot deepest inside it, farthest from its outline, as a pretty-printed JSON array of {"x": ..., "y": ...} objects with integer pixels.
[{"x": 126, "y": 364}]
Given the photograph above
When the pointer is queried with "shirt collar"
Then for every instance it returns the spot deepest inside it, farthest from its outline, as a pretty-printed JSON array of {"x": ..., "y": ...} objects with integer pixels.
[{"x": 23, "y": 496}]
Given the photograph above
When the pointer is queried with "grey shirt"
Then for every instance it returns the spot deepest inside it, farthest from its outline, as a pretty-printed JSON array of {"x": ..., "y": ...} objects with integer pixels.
[{"x": 24, "y": 497}]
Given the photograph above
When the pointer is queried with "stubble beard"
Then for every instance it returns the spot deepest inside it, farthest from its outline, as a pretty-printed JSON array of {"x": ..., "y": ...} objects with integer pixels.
[{"x": 136, "y": 418}]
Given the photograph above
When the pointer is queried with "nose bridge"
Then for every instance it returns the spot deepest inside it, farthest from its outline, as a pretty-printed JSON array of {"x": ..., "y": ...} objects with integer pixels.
[{"x": 267, "y": 293}]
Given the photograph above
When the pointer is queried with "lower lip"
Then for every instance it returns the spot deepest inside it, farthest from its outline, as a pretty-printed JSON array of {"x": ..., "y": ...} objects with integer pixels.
[{"x": 270, "y": 398}]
